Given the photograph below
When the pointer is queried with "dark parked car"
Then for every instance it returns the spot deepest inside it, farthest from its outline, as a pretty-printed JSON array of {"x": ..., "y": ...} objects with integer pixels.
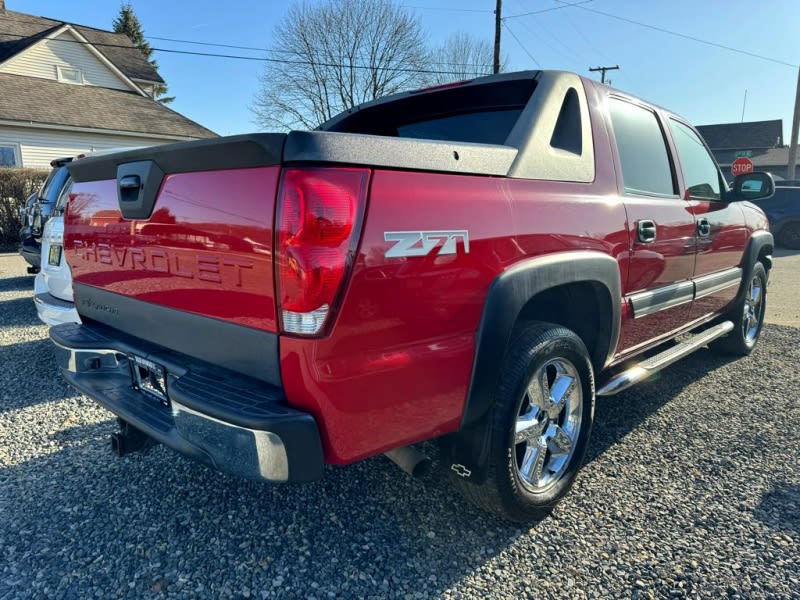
[
  {"x": 783, "y": 212},
  {"x": 37, "y": 210}
]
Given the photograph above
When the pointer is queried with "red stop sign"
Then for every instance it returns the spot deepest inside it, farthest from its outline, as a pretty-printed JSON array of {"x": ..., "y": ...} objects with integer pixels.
[{"x": 741, "y": 166}]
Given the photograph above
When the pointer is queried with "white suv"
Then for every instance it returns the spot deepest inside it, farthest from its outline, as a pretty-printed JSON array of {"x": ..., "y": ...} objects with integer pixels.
[{"x": 53, "y": 284}]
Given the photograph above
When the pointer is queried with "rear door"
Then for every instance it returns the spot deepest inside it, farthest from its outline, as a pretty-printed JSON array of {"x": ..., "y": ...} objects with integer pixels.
[
  {"x": 719, "y": 225},
  {"x": 661, "y": 227}
]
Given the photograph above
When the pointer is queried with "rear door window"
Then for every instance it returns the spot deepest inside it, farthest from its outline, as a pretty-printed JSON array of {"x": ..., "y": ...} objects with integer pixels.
[{"x": 646, "y": 167}]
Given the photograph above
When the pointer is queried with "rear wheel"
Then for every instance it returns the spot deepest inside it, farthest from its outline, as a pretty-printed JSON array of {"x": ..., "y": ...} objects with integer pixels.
[
  {"x": 747, "y": 316},
  {"x": 539, "y": 424}
]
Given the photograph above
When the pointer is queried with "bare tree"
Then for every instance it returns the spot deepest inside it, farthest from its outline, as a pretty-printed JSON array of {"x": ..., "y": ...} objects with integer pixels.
[
  {"x": 461, "y": 56},
  {"x": 336, "y": 54}
]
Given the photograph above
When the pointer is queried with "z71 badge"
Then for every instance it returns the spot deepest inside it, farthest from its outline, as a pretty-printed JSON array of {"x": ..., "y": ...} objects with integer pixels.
[{"x": 422, "y": 243}]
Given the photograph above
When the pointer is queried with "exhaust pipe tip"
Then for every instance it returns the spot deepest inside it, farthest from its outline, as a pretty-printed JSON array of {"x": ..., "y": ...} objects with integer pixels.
[{"x": 410, "y": 460}]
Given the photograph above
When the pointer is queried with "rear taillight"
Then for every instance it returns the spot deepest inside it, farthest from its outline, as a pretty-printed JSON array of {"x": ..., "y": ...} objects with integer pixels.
[{"x": 319, "y": 214}]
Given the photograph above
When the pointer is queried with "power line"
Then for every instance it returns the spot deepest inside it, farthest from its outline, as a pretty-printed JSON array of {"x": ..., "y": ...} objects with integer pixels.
[
  {"x": 267, "y": 60},
  {"x": 524, "y": 49},
  {"x": 539, "y": 35},
  {"x": 275, "y": 51},
  {"x": 677, "y": 34},
  {"x": 34, "y": 21},
  {"x": 544, "y": 10},
  {"x": 447, "y": 9}
]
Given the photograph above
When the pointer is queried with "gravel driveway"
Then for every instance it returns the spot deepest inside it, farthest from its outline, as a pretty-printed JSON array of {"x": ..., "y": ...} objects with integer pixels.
[{"x": 691, "y": 489}]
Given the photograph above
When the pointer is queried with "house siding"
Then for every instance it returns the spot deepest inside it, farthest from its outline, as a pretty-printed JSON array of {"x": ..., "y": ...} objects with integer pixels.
[
  {"x": 39, "y": 146},
  {"x": 41, "y": 60}
]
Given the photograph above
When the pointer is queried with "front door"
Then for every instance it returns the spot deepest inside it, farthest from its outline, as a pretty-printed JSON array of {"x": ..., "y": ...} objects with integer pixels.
[{"x": 720, "y": 227}]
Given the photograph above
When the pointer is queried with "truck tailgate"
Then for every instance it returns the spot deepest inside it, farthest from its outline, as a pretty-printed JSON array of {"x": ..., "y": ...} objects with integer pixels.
[{"x": 204, "y": 249}]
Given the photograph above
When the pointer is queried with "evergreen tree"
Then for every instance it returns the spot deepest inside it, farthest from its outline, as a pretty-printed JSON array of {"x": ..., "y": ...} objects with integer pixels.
[{"x": 128, "y": 23}]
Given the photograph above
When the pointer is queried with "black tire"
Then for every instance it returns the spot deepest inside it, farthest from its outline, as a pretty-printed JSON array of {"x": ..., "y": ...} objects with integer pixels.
[
  {"x": 789, "y": 236},
  {"x": 534, "y": 350},
  {"x": 745, "y": 334}
]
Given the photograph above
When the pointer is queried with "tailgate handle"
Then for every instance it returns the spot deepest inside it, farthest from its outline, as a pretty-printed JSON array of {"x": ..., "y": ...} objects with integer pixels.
[
  {"x": 129, "y": 187},
  {"x": 131, "y": 181},
  {"x": 138, "y": 184}
]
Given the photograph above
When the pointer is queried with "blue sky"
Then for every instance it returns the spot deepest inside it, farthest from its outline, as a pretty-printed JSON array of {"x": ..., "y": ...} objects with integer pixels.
[{"x": 703, "y": 83}]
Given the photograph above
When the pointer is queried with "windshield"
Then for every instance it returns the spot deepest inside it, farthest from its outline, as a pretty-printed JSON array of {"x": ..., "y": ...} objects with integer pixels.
[
  {"x": 64, "y": 196},
  {"x": 55, "y": 181}
]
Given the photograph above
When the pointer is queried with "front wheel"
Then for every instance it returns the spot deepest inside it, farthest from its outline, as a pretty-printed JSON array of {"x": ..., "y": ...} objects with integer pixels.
[
  {"x": 747, "y": 316},
  {"x": 539, "y": 424}
]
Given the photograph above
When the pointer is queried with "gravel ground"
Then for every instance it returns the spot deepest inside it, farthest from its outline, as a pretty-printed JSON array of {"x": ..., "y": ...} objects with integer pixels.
[
  {"x": 783, "y": 307},
  {"x": 691, "y": 489}
]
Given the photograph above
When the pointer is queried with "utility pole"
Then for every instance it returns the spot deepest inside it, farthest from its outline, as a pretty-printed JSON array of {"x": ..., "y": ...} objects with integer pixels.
[
  {"x": 744, "y": 105},
  {"x": 603, "y": 71},
  {"x": 795, "y": 125},
  {"x": 498, "y": 23}
]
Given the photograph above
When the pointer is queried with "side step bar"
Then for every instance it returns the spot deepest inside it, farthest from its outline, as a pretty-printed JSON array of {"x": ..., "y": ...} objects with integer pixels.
[{"x": 625, "y": 379}]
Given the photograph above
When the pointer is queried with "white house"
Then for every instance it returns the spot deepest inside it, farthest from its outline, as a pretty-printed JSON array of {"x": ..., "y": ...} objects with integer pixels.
[{"x": 67, "y": 89}]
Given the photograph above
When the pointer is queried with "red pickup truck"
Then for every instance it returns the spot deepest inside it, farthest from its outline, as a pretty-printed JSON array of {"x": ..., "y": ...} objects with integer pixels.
[{"x": 471, "y": 263}]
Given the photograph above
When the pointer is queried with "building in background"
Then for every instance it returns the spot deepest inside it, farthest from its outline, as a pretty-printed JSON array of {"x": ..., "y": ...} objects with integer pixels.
[
  {"x": 760, "y": 141},
  {"x": 67, "y": 89}
]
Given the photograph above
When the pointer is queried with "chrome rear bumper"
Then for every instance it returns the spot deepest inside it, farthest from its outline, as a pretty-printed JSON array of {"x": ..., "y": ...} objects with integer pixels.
[{"x": 235, "y": 424}]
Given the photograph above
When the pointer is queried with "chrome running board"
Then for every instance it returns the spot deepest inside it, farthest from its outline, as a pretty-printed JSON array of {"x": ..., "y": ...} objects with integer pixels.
[{"x": 625, "y": 379}]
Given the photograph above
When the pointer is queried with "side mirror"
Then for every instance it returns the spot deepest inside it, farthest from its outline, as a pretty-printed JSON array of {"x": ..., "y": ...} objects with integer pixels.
[{"x": 753, "y": 186}]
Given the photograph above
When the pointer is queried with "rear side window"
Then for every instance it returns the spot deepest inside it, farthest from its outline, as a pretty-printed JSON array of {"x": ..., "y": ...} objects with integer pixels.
[
  {"x": 646, "y": 167},
  {"x": 699, "y": 169}
]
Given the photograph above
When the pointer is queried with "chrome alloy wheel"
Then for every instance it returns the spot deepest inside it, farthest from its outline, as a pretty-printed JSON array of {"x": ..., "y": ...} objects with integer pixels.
[
  {"x": 548, "y": 424},
  {"x": 752, "y": 309}
]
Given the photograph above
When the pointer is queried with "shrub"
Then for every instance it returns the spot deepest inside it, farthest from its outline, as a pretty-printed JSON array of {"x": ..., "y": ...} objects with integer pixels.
[{"x": 15, "y": 187}]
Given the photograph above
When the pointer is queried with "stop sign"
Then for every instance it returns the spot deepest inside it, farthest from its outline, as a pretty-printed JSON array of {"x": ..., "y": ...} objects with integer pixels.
[{"x": 741, "y": 166}]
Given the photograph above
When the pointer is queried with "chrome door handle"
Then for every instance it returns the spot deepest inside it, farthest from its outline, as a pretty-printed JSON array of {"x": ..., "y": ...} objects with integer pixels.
[{"x": 646, "y": 231}]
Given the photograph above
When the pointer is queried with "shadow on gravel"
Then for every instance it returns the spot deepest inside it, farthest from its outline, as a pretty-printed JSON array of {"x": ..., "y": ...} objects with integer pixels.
[
  {"x": 83, "y": 433},
  {"x": 161, "y": 523},
  {"x": 779, "y": 508},
  {"x": 16, "y": 284},
  {"x": 79, "y": 521},
  {"x": 616, "y": 416},
  {"x": 29, "y": 375},
  {"x": 18, "y": 312}
]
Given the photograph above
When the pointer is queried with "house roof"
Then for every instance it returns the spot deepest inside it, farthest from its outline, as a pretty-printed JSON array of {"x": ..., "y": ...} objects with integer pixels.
[
  {"x": 769, "y": 157},
  {"x": 19, "y": 31},
  {"x": 35, "y": 100},
  {"x": 743, "y": 136}
]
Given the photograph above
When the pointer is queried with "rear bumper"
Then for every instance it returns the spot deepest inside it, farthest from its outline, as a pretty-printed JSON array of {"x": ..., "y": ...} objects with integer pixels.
[
  {"x": 54, "y": 311},
  {"x": 228, "y": 421}
]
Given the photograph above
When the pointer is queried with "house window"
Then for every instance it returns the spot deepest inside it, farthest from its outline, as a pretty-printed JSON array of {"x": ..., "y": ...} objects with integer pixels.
[
  {"x": 9, "y": 157},
  {"x": 68, "y": 75}
]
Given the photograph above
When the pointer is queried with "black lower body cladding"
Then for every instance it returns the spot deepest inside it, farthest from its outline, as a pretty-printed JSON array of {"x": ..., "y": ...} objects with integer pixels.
[
  {"x": 229, "y": 421},
  {"x": 240, "y": 349}
]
